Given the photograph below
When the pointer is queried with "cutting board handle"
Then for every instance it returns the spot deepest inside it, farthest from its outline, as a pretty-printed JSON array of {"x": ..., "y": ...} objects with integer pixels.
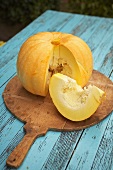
[{"x": 17, "y": 156}]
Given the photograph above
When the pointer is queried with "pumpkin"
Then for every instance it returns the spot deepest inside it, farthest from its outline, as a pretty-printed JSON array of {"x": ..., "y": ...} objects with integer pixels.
[
  {"x": 47, "y": 53},
  {"x": 72, "y": 101}
]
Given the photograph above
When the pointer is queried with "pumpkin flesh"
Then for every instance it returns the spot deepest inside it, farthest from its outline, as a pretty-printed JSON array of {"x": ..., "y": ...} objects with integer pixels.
[{"x": 73, "y": 102}]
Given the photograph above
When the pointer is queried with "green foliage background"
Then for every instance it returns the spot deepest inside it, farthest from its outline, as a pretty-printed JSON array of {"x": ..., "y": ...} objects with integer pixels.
[{"x": 24, "y": 11}]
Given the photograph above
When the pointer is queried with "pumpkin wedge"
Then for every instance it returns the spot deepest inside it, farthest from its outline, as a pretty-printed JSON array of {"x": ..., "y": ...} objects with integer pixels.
[
  {"x": 71, "y": 100},
  {"x": 46, "y": 53}
]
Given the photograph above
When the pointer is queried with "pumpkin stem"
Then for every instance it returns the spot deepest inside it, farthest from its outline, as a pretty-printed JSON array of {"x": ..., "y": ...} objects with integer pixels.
[{"x": 56, "y": 41}]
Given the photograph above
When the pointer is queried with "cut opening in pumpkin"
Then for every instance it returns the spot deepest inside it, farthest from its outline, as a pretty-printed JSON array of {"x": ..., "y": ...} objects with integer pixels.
[{"x": 62, "y": 61}]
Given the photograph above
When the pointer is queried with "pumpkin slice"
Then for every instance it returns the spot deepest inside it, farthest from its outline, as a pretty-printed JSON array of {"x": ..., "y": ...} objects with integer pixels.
[{"x": 71, "y": 100}]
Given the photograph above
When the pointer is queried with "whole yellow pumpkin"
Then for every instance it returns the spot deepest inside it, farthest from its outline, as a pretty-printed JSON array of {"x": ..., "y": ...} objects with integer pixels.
[{"x": 46, "y": 53}]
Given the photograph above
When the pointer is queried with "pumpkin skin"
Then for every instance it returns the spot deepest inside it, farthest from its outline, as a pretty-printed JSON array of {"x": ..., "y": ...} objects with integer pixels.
[{"x": 46, "y": 53}]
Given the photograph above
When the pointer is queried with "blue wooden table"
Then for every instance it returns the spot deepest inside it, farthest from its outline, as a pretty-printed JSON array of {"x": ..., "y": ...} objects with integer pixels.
[{"x": 91, "y": 148}]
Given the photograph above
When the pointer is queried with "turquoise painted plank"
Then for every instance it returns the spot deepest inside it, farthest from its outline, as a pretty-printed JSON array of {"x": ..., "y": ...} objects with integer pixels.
[
  {"x": 93, "y": 24},
  {"x": 11, "y": 145},
  {"x": 103, "y": 48},
  {"x": 86, "y": 27},
  {"x": 104, "y": 155},
  {"x": 104, "y": 151},
  {"x": 85, "y": 151},
  {"x": 8, "y": 131},
  {"x": 40, "y": 151},
  {"x": 98, "y": 34},
  {"x": 77, "y": 26},
  {"x": 62, "y": 150},
  {"x": 4, "y": 115},
  {"x": 107, "y": 63},
  {"x": 72, "y": 24},
  {"x": 3, "y": 87},
  {"x": 8, "y": 73}
]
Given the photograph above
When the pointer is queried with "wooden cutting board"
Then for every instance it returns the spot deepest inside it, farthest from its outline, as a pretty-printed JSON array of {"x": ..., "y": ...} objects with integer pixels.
[{"x": 40, "y": 115}]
